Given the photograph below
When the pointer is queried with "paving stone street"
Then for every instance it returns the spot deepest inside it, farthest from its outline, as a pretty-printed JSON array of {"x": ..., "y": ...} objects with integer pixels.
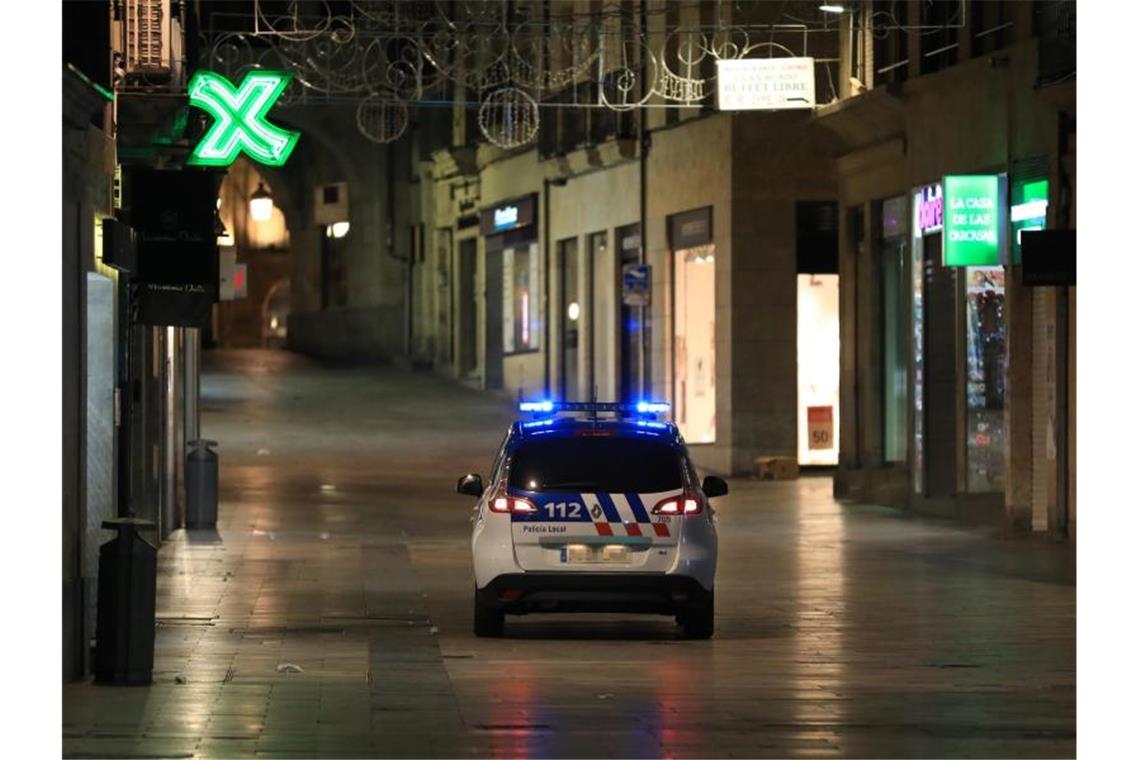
[{"x": 330, "y": 614}]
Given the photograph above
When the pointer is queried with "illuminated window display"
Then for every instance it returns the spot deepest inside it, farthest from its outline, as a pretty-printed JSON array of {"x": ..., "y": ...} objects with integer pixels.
[
  {"x": 694, "y": 343},
  {"x": 521, "y": 326},
  {"x": 817, "y": 355},
  {"x": 985, "y": 379}
]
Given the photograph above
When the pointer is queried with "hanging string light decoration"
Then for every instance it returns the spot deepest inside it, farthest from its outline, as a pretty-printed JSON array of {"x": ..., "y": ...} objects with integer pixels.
[
  {"x": 386, "y": 56},
  {"x": 380, "y": 119},
  {"x": 508, "y": 117}
]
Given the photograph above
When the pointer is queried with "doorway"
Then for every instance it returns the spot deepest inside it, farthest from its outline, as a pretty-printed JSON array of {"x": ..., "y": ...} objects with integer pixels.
[{"x": 940, "y": 286}]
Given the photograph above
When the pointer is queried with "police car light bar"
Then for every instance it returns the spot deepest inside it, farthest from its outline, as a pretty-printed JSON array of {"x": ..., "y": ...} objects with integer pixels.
[
  {"x": 553, "y": 407},
  {"x": 536, "y": 406}
]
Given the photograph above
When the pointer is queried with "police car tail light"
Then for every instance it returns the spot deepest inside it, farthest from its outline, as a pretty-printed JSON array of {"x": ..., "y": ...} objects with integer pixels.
[
  {"x": 503, "y": 503},
  {"x": 682, "y": 504}
]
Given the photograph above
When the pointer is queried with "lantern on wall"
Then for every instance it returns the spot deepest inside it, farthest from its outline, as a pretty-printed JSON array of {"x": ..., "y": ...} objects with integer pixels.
[{"x": 261, "y": 204}]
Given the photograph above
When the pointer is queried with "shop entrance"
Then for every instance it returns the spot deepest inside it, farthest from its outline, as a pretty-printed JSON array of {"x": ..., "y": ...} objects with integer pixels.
[
  {"x": 940, "y": 354},
  {"x": 817, "y": 329},
  {"x": 694, "y": 324}
]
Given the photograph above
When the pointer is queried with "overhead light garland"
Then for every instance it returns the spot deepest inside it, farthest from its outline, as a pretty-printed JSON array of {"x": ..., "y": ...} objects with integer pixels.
[{"x": 385, "y": 56}]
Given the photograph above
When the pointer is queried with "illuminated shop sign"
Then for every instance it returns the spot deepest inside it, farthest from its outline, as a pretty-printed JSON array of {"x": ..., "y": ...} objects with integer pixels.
[
  {"x": 765, "y": 84},
  {"x": 506, "y": 217},
  {"x": 1028, "y": 212},
  {"x": 509, "y": 215},
  {"x": 930, "y": 209},
  {"x": 239, "y": 124},
  {"x": 975, "y": 218}
]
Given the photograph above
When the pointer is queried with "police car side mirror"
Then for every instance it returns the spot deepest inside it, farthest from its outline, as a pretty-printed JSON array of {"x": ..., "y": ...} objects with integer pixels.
[
  {"x": 714, "y": 486},
  {"x": 472, "y": 485}
]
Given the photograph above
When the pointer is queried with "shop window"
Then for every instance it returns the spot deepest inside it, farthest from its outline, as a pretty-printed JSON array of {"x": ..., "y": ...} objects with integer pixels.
[
  {"x": 521, "y": 325},
  {"x": 817, "y": 360},
  {"x": 894, "y": 349},
  {"x": 985, "y": 379},
  {"x": 817, "y": 330},
  {"x": 694, "y": 342}
]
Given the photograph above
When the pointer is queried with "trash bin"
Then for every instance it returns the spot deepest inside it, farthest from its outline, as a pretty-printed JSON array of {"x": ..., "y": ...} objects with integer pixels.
[
  {"x": 201, "y": 485},
  {"x": 124, "y": 622}
]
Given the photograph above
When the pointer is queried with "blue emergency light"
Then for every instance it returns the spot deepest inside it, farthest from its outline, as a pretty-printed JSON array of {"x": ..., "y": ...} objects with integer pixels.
[{"x": 641, "y": 408}]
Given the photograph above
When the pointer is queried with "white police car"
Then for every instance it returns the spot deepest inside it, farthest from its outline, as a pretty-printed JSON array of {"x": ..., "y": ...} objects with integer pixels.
[{"x": 594, "y": 514}]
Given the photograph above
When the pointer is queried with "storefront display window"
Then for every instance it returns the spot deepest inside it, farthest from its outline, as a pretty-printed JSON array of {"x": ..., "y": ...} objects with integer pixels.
[
  {"x": 817, "y": 354},
  {"x": 985, "y": 379},
  {"x": 694, "y": 343},
  {"x": 521, "y": 327}
]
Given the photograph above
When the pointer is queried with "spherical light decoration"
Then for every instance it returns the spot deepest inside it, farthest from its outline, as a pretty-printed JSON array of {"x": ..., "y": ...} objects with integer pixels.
[
  {"x": 381, "y": 120},
  {"x": 508, "y": 117}
]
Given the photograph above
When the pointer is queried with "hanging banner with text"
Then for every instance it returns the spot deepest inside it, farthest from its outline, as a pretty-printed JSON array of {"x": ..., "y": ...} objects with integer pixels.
[
  {"x": 975, "y": 219},
  {"x": 765, "y": 84}
]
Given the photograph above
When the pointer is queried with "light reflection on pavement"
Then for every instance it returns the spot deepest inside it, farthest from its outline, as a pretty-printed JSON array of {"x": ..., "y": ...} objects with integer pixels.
[{"x": 842, "y": 630}]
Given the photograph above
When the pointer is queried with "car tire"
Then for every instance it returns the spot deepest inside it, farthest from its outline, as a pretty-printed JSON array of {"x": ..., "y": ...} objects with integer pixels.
[
  {"x": 697, "y": 619},
  {"x": 488, "y": 619}
]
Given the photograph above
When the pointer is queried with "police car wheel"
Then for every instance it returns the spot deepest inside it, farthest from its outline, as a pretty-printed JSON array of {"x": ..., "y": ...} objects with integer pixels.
[
  {"x": 488, "y": 620},
  {"x": 697, "y": 618}
]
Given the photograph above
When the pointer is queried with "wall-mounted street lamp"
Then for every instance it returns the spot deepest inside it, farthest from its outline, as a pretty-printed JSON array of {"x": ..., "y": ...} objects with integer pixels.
[
  {"x": 827, "y": 8},
  {"x": 336, "y": 230},
  {"x": 261, "y": 204}
]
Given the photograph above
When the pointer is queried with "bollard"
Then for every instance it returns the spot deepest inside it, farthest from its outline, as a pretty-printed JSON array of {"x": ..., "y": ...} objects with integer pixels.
[
  {"x": 201, "y": 485},
  {"x": 124, "y": 622}
]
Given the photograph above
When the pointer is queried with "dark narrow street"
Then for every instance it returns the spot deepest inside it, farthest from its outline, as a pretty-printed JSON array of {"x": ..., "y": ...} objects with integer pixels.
[{"x": 331, "y": 613}]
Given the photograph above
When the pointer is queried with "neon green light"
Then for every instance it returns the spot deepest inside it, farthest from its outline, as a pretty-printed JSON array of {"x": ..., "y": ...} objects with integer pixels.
[{"x": 239, "y": 119}]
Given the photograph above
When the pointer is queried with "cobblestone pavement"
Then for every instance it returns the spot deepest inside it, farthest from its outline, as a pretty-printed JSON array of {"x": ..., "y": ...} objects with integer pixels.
[{"x": 331, "y": 613}]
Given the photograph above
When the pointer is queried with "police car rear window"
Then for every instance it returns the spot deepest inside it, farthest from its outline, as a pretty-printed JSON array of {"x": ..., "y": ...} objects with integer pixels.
[{"x": 595, "y": 465}]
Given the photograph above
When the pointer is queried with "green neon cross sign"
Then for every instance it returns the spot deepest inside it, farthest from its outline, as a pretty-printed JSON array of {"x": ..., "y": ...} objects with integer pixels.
[{"x": 239, "y": 119}]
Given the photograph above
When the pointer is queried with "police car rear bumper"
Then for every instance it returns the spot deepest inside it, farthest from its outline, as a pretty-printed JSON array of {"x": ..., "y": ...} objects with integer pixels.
[{"x": 523, "y": 593}]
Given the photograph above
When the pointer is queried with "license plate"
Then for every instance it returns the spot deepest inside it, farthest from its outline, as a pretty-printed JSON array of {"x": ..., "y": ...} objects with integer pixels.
[{"x": 585, "y": 554}]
